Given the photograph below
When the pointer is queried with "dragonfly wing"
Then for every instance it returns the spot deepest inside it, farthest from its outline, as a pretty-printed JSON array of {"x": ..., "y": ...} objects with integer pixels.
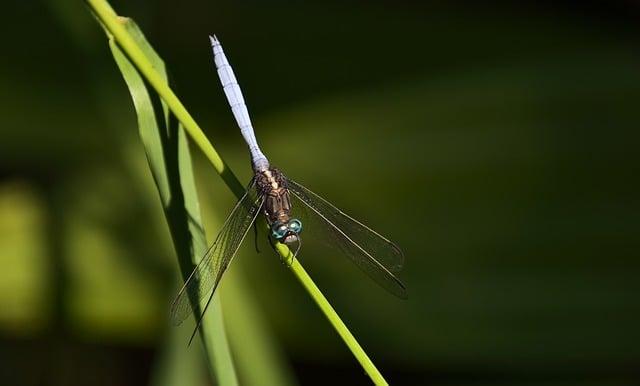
[
  {"x": 372, "y": 253},
  {"x": 207, "y": 274}
]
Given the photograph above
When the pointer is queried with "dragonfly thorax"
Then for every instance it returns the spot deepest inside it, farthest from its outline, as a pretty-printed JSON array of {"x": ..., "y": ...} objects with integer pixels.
[{"x": 272, "y": 184}]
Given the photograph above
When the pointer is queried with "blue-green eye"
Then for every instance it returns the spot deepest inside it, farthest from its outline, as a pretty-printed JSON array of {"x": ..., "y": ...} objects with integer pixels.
[
  {"x": 278, "y": 230},
  {"x": 295, "y": 225}
]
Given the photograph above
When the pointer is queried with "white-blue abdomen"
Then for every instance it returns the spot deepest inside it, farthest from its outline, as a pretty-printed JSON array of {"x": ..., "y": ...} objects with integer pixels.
[{"x": 238, "y": 107}]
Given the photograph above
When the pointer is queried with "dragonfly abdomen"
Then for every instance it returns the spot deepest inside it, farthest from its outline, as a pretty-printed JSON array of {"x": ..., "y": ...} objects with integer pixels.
[{"x": 238, "y": 107}]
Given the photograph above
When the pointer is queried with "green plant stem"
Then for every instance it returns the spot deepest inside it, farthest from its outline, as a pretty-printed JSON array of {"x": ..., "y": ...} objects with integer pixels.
[
  {"x": 112, "y": 22},
  {"x": 331, "y": 315}
]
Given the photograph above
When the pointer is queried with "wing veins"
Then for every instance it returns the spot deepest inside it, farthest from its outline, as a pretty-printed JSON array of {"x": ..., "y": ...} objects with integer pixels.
[
  {"x": 181, "y": 307},
  {"x": 379, "y": 265},
  {"x": 389, "y": 243}
]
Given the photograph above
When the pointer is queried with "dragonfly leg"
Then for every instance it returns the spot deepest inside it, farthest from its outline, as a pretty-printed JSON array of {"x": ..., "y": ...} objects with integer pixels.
[
  {"x": 298, "y": 248},
  {"x": 290, "y": 261}
]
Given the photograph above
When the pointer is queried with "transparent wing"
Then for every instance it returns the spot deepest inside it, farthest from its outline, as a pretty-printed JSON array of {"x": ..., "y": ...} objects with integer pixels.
[
  {"x": 372, "y": 253},
  {"x": 207, "y": 274}
]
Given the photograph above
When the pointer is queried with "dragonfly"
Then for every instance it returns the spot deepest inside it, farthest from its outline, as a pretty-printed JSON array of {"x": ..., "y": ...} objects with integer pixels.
[{"x": 288, "y": 207}]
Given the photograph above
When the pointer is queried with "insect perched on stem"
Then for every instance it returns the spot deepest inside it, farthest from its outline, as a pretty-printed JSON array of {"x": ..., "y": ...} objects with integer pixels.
[{"x": 274, "y": 195}]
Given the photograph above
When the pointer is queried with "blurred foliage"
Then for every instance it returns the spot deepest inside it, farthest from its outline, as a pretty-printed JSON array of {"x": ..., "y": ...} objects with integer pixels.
[{"x": 496, "y": 144}]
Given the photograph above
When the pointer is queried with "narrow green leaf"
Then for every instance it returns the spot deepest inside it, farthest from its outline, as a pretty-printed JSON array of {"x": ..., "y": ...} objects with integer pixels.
[{"x": 167, "y": 151}]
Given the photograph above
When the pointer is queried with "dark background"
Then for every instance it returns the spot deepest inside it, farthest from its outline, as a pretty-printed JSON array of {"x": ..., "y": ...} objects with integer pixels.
[{"x": 497, "y": 143}]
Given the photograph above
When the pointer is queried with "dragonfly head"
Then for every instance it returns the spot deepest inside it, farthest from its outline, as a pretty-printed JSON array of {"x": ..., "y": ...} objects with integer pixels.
[{"x": 287, "y": 232}]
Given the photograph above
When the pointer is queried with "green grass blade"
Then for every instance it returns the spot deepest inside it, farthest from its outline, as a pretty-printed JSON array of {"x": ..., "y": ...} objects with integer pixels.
[{"x": 167, "y": 151}]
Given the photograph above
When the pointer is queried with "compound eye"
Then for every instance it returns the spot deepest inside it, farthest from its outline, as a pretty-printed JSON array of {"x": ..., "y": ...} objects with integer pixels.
[
  {"x": 279, "y": 230},
  {"x": 295, "y": 225}
]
